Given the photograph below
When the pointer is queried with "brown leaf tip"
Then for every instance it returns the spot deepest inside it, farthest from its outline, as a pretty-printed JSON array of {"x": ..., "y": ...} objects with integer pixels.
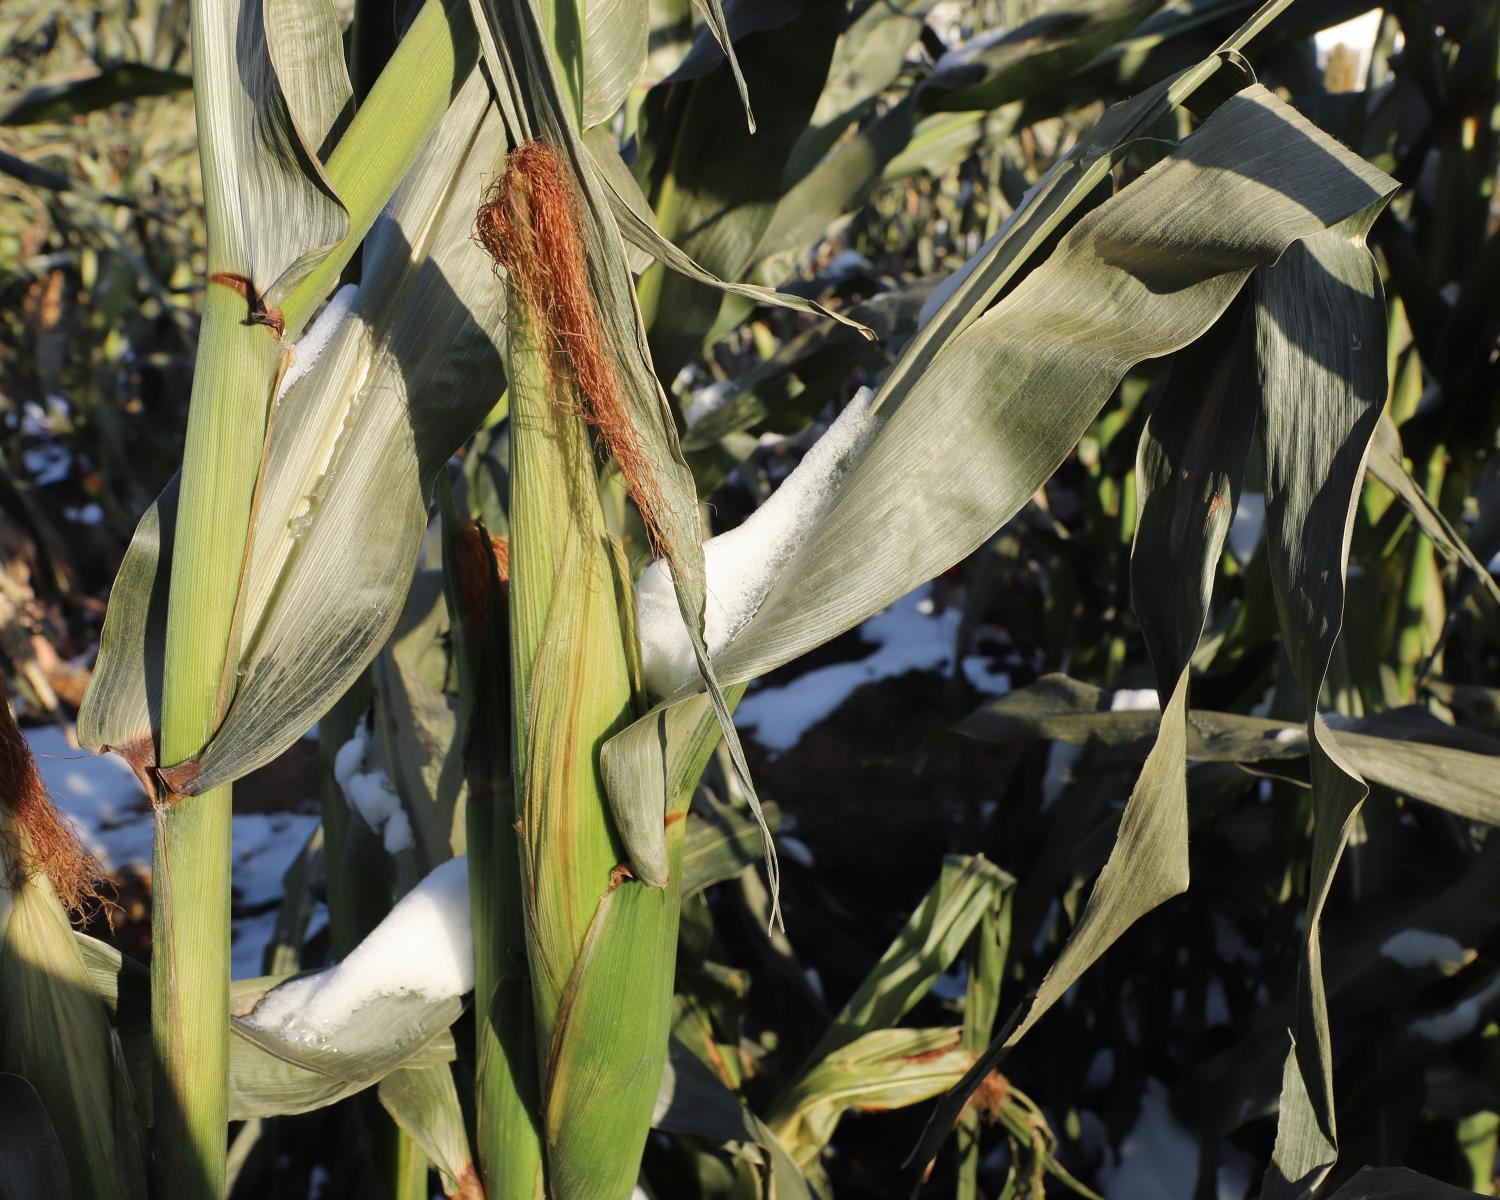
[{"x": 530, "y": 225}]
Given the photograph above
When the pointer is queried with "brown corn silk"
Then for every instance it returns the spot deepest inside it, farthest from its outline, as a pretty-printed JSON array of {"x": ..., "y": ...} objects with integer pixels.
[
  {"x": 473, "y": 568},
  {"x": 39, "y": 840},
  {"x": 529, "y": 224}
]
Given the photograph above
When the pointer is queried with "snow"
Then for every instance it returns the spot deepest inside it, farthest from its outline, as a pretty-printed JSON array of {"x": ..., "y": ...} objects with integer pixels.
[
  {"x": 743, "y": 563},
  {"x": 370, "y": 794},
  {"x": 908, "y": 636},
  {"x": 265, "y": 846},
  {"x": 1460, "y": 1020},
  {"x": 1135, "y": 700},
  {"x": 1101, "y": 1069},
  {"x": 1419, "y": 949},
  {"x": 1062, "y": 757},
  {"x": 424, "y": 947},
  {"x": 315, "y": 339},
  {"x": 1358, "y": 33},
  {"x": 99, "y": 794},
  {"x": 1158, "y": 1159},
  {"x": 704, "y": 401},
  {"x": 1248, "y": 525}
]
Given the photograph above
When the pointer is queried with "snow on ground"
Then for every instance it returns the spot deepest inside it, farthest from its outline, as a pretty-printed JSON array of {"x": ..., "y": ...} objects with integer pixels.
[
  {"x": 1418, "y": 949},
  {"x": 1158, "y": 1159},
  {"x": 1459, "y": 1020},
  {"x": 100, "y": 795},
  {"x": 103, "y": 799},
  {"x": 908, "y": 636}
]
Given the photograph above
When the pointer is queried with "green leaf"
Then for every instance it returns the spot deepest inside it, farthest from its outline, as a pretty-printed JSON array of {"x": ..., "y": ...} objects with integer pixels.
[
  {"x": 1320, "y": 318},
  {"x": 933, "y": 936},
  {"x": 354, "y": 445},
  {"x": 1387, "y": 466},
  {"x": 1397, "y": 1183},
  {"x": 982, "y": 408},
  {"x": 614, "y": 47},
  {"x": 32, "y": 1166},
  {"x": 722, "y": 841},
  {"x": 424, "y": 1102},
  {"x": 994, "y": 70},
  {"x": 54, "y": 1030},
  {"x": 882, "y": 1069}
]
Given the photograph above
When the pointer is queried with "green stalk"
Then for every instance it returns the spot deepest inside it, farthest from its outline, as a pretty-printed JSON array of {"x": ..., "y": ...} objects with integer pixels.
[
  {"x": 190, "y": 866},
  {"x": 191, "y": 858},
  {"x": 1421, "y": 568},
  {"x": 387, "y": 133}
]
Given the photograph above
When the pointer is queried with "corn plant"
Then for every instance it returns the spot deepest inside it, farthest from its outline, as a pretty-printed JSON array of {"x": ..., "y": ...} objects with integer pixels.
[{"x": 527, "y": 293}]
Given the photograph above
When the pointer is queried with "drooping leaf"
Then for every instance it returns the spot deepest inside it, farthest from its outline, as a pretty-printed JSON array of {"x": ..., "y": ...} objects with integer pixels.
[
  {"x": 1386, "y": 465},
  {"x": 424, "y": 1102},
  {"x": 1320, "y": 318},
  {"x": 694, "y": 1101},
  {"x": 965, "y": 437},
  {"x": 1189, "y": 470},
  {"x": 32, "y": 1166}
]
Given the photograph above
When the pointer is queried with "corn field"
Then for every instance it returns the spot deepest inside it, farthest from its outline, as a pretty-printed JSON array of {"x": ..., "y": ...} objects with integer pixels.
[{"x": 810, "y": 598}]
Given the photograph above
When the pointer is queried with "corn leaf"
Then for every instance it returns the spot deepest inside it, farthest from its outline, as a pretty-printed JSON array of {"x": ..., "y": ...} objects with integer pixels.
[
  {"x": 882, "y": 1069},
  {"x": 721, "y": 842},
  {"x": 614, "y": 46},
  {"x": 1386, "y": 465},
  {"x": 424, "y": 1102},
  {"x": 993, "y": 70},
  {"x": 354, "y": 445},
  {"x": 638, "y": 227},
  {"x": 718, "y": 25},
  {"x": 694, "y": 1101},
  {"x": 32, "y": 1166},
  {"x": 981, "y": 409},
  {"x": 926, "y": 947},
  {"x": 1408, "y": 751},
  {"x": 1397, "y": 1183},
  {"x": 1320, "y": 321},
  {"x": 261, "y": 172},
  {"x": 1189, "y": 469}
]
